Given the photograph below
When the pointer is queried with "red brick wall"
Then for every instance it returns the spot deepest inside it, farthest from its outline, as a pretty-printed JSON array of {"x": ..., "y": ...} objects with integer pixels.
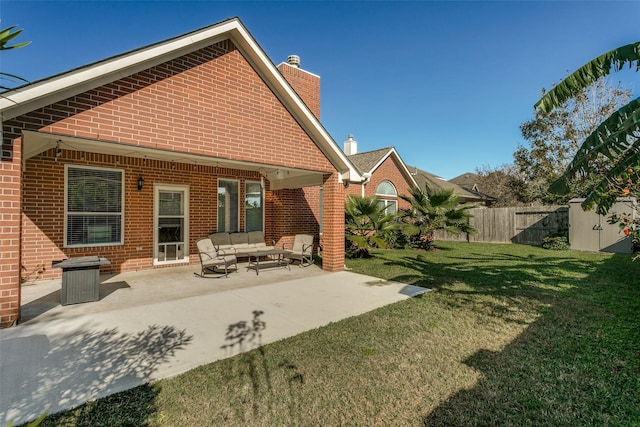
[
  {"x": 306, "y": 85},
  {"x": 10, "y": 211},
  {"x": 390, "y": 170},
  {"x": 333, "y": 224},
  {"x": 43, "y": 219},
  {"x": 307, "y": 220},
  {"x": 210, "y": 102}
]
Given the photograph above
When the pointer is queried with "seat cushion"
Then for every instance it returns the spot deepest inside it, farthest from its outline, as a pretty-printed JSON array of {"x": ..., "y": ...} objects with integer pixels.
[{"x": 238, "y": 239}]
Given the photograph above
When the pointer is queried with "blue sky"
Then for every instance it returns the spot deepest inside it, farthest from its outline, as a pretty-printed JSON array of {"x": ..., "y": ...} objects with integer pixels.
[{"x": 446, "y": 83}]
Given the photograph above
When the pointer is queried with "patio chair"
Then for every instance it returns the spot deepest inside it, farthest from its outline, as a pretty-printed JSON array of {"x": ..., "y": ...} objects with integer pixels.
[
  {"x": 302, "y": 249},
  {"x": 210, "y": 259}
]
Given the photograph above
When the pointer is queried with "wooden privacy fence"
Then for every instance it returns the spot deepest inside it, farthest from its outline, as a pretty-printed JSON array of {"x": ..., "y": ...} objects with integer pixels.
[{"x": 525, "y": 225}]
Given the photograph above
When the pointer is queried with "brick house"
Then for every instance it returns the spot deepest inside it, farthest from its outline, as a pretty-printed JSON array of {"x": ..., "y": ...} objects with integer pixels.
[
  {"x": 385, "y": 175},
  {"x": 136, "y": 156}
]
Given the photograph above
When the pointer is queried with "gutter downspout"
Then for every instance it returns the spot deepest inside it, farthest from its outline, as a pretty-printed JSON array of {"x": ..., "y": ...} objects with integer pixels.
[{"x": 367, "y": 179}]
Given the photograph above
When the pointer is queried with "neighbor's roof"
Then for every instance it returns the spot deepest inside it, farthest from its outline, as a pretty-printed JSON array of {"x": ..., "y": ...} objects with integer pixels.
[
  {"x": 368, "y": 161},
  {"x": 467, "y": 180},
  {"x": 424, "y": 178},
  {"x": 32, "y": 96}
]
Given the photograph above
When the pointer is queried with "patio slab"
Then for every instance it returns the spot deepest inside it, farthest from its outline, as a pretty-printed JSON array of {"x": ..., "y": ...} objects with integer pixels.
[{"x": 157, "y": 324}]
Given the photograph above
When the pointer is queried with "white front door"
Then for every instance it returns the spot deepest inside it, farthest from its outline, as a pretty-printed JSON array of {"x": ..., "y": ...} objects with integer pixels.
[{"x": 171, "y": 224}]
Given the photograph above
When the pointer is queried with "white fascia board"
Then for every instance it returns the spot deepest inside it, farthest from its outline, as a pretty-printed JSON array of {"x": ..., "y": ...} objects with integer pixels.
[
  {"x": 38, "y": 95},
  {"x": 405, "y": 170},
  {"x": 282, "y": 89},
  {"x": 381, "y": 161},
  {"x": 49, "y": 91}
]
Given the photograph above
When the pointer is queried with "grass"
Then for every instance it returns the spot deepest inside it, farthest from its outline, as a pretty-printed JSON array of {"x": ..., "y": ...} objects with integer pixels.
[{"x": 510, "y": 335}]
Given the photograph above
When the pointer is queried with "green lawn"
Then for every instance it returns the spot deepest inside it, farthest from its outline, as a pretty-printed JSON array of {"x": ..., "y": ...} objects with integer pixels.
[{"x": 509, "y": 335}]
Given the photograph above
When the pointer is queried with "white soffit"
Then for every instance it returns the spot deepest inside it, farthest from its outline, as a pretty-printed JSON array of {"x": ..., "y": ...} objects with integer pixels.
[{"x": 280, "y": 177}]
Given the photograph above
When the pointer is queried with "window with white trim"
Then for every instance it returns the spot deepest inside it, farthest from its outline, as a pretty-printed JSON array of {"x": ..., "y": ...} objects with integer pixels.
[
  {"x": 387, "y": 194},
  {"x": 94, "y": 206},
  {"x": 386, "y": 188},
  {"x": 391, "y": 205}
]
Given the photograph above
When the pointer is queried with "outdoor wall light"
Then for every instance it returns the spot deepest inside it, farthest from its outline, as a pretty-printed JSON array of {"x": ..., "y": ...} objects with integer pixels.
[{"x": 140, "y": 183}]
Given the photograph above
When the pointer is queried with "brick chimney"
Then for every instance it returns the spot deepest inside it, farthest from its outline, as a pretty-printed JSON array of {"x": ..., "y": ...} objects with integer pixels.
[{"x": 306, "y": 85}]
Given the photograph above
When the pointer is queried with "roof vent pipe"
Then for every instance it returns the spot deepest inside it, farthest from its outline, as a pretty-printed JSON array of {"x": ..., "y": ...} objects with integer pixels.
[{"x": 293, "y": 60}]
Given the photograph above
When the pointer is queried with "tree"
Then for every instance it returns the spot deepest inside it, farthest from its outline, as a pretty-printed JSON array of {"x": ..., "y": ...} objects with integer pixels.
[
  {"x": 6, "y": 35},
  {"x": 433, "y": 210},
  {"x": 615, "y": 138},
  {"x": 554, "y": 137},
  {"x": 366, "y": 225},
  {"x": 501, "y": 183}
]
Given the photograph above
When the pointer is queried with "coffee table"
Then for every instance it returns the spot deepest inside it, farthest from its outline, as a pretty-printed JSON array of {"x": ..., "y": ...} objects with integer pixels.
[{"x": 277, "y": 259}]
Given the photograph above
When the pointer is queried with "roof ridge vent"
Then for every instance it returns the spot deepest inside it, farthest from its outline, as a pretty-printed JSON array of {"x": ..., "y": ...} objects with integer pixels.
[{"x": 293, "y": 60}]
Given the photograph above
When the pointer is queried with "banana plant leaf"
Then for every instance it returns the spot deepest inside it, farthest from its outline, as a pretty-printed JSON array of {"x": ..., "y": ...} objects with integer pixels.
[
  {"x": 614, "y": 60},
  {"x": 613, "y": 137}
]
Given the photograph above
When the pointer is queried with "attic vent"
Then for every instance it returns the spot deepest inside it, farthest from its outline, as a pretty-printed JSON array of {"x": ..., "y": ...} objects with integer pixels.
[{"x": 294, "y": 61}]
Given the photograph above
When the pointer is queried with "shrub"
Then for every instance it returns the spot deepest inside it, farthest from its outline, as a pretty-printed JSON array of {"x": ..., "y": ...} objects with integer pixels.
[{"x": 556, "y": 243}]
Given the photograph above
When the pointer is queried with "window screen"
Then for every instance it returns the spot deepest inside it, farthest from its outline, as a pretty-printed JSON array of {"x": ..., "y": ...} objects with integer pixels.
[{"x": 94, "y": 206}]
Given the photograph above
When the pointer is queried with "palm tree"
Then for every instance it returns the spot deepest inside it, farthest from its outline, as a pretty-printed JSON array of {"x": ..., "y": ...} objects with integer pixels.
[
  {"x": 433, "y": 210},
  {"x": 616, "y": 138},
  {"x": 5, "y": 37},
  {"x": 366, "y": 225}
]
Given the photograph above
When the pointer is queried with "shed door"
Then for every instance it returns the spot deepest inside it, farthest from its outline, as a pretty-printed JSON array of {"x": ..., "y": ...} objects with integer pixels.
[{"x": 584, "y": 228}]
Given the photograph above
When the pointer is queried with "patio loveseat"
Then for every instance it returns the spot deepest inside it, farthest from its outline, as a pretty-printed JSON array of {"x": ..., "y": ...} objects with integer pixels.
[{"x": 244, "y": 243}]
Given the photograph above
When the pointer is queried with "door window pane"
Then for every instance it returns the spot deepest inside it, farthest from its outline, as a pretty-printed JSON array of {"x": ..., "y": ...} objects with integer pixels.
[
  {"x": 94, "y": 207},
  {"x": 228, "y": 205},
  {"x": 172, "y": 218},
  {"x": 253, "y": 206},
  {"x": 171, "y": 204}
]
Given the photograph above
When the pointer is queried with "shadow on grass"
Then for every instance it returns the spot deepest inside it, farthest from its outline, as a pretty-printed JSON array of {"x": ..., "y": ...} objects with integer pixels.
[
  {"x": 577, "y": 363},
  {"x": 257, "y": 369},
  {"x": 131, "y": 408}
]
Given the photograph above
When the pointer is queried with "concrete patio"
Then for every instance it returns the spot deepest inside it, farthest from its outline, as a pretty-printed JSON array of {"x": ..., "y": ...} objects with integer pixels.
[{"x": 156, "y": 324}]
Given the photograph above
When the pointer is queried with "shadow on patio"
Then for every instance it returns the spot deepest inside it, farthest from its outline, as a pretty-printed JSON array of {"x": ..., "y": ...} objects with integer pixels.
[{"x": 41, "y": 300}]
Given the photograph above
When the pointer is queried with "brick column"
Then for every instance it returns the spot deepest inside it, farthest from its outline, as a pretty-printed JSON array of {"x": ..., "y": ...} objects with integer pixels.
[
  {"x": 10, "y": 225},
  {"x": 333, "y": 224}
]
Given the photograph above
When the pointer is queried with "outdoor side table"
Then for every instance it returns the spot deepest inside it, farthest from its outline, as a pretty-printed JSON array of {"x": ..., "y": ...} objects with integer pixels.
[{"x": 80, "y": 279}]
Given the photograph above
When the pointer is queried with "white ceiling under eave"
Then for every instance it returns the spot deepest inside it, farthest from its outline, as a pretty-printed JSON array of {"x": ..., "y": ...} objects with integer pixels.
[{"x": 280, "y": 177}]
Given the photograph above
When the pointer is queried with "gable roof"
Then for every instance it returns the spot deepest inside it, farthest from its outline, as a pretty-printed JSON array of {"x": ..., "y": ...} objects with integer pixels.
[
  {"x": 435, "y": 182},
  {"x": 32, "y": 96},
  {"x": 368, "y": 161},
  {"x": 467, "y": 180}
]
